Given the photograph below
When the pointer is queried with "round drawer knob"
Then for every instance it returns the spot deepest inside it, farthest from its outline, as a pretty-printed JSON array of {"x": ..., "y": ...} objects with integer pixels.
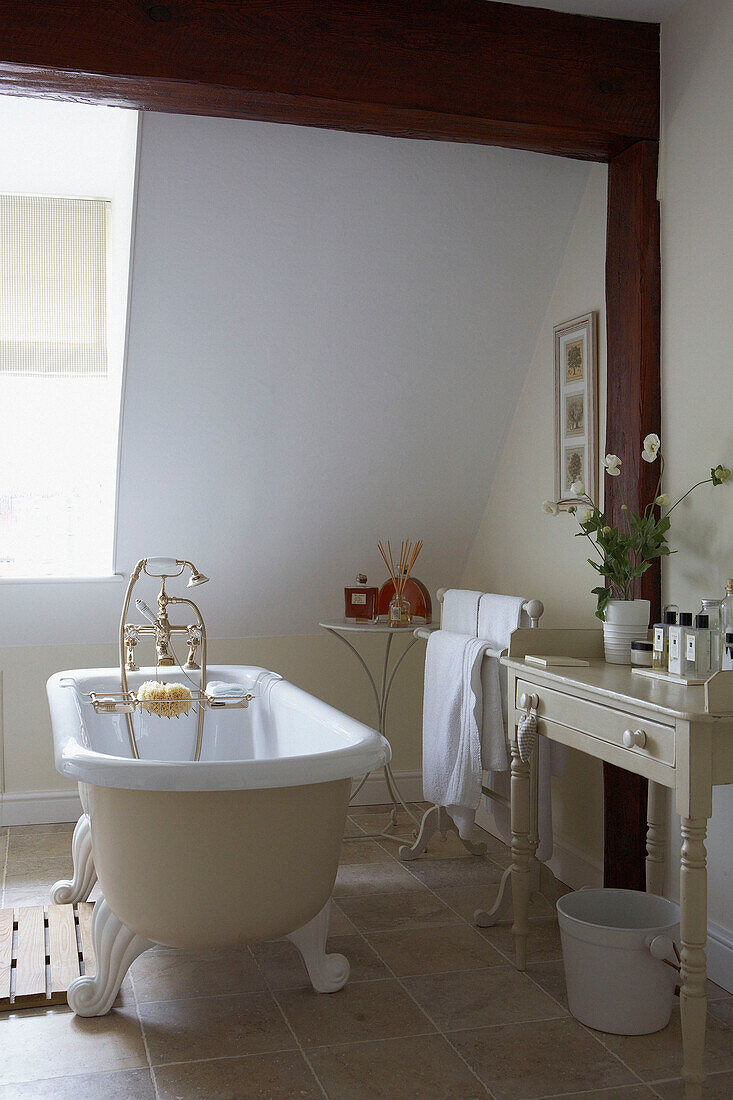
[
  {"x": 528, "y": 702},
  {"x": 634, "y": 739}
]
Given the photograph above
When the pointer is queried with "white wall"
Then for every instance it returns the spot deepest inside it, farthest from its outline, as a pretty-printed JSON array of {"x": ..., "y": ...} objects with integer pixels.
[
  {"x": 517, "y": 548},
  {"x": 334, "y": 328},
  {"x": 697, "y": 338},
  {"x": 328, "y": 335}
]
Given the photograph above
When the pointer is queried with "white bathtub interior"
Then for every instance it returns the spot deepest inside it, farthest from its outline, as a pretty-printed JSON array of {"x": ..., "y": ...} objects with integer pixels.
[{"x": 261, "y": 732}]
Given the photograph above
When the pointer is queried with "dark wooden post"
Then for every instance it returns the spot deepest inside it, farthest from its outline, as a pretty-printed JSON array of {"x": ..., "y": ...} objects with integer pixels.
[{"x": 633, "y": 410}]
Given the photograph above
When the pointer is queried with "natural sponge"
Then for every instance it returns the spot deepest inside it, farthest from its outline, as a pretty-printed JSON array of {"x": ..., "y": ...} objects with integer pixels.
[{"x": 166, "y": 700}]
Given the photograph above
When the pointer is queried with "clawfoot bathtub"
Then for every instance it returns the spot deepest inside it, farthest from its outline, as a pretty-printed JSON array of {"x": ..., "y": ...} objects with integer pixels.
[{"x": 240, "y": 846}]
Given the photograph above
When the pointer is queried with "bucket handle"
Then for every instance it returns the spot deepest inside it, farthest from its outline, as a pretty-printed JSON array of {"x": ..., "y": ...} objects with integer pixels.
[{"x": 660, "y": 947}]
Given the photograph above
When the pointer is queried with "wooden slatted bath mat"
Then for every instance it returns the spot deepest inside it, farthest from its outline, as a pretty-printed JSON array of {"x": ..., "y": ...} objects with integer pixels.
[{"x": 42, "y": 950}]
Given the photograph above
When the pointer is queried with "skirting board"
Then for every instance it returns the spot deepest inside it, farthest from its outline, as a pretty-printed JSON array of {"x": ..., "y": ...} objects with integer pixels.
[
  {"x": 567, "y": 864},
  {"x": 375, "y": 792},
  {"x": 39, "y": 807},
  {"x": 720, "y": 955},
  {"x": 50, "y": 807}
]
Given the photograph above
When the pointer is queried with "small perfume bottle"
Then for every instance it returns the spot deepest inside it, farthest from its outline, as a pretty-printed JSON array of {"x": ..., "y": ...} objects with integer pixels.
[
  {"x": 697, "y": 649},
  {"x": 677, "y": 643},
  {"x": 660, "y": 653},
  {"x": 360, "y": 602}
]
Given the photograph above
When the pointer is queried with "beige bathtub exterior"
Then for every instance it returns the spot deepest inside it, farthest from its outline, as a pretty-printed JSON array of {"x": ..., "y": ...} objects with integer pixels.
[{"x": 217, "y": 868}]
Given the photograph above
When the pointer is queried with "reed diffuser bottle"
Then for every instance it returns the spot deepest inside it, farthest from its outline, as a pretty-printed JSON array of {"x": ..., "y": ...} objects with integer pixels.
[
  {"x": 393, "y": 595},
  {"x": 416, "y": 594}
]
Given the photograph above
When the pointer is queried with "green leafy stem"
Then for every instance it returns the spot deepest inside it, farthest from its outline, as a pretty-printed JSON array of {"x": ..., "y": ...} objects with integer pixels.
[{"x": 623, "y": 552}]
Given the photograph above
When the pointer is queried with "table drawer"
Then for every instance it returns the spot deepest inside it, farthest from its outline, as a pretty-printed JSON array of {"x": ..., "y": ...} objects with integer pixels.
[{"x": 605, "y": 723}]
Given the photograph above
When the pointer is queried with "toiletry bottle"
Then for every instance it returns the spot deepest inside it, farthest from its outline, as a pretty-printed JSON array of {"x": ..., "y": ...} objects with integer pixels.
[
  {"x": 660, "y": 654},
  {"x": 360, "y": 602},
  {"x": 677, "y": 644},
  {"x": 697, "y": 649},
  {"x": 726, "y": 608},
  {"x": 727, "y": 660},
  {"x": 713, "y": 610}
]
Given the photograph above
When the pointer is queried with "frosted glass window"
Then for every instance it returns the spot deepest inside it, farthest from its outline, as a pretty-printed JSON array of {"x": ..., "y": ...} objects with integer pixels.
[
  {"x": 53, "y": 286},
  {"x": 59, "y": 404}
]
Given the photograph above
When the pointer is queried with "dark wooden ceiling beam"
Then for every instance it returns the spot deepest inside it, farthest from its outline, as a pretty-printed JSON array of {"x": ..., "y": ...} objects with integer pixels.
[{"x": 454, "y": 70}]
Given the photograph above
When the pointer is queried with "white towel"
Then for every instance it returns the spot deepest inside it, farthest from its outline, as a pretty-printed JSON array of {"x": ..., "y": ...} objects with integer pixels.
[
  {"x": 498, "y": 616},
  {"x": 452, "y": 770},
  {"x": 494, "y": 745},
  {"x": 460, "y": 611},
  {"x": 218, "y": 689}
]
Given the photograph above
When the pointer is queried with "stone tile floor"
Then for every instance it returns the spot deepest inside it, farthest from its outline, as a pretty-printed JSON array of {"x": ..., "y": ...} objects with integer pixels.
[{"x": 434, "y": 1007}]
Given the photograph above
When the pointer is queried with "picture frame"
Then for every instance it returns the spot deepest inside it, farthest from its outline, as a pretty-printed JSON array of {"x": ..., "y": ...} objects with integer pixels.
[{"x": 576, "y": 404}]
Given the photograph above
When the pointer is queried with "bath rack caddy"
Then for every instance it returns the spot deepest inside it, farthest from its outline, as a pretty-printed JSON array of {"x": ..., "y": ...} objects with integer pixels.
[{"x": 119, "y": 702}]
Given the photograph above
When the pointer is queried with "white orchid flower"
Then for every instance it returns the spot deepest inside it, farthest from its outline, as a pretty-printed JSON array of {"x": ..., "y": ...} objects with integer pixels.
[
  {"x": 652, "y": 443},
  {"x": 577, "y": 489},
  {"x": 613, "y": 465},
  {"x": 550, "y": 508},
  {"x": 662, "y": 500}
]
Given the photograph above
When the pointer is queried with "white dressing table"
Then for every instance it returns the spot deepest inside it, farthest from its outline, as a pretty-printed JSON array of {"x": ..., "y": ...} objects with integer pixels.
[{"x": 678, "y": 737}]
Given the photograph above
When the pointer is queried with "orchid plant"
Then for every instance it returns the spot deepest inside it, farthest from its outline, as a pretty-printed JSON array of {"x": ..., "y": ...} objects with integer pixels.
[{"x": 624, "y": 552}]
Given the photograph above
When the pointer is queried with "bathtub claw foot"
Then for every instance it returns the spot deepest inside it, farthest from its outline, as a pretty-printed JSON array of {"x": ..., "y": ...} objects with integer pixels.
[
  {"x": 328, "y": 973},
  {"x": 81, "y": 884},
  {"x": 116, "y": 948}
]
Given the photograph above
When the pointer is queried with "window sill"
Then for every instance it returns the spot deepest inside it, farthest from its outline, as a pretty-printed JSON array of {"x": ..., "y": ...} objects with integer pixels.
[{"x": 110, "y": 578}]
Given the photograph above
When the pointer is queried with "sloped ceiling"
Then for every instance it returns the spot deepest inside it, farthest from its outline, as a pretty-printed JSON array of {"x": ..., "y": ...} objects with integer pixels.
[{"x": 328, "y": 336}]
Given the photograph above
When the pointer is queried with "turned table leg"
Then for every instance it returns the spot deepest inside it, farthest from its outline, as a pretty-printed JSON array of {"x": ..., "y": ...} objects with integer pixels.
[
  {"x": 521, "y": 852},
  {"x": 693, "y": 933},
  {"x": 656, "y": 838}
]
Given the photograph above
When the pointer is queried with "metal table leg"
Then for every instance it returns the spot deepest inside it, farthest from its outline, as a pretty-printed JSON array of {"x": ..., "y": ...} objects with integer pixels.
[{"x": 381, "y": 699}]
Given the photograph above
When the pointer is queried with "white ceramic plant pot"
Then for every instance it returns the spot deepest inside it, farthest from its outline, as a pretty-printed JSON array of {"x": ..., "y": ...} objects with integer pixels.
[{"x": 626, "y": 621}]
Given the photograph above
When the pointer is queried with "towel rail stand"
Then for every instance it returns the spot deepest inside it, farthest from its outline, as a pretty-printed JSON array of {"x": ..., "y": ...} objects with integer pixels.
[{"x": 438, "y": 820}]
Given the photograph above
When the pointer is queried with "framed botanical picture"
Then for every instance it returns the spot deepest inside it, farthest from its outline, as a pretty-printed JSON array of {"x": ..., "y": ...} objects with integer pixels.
[{"x": 576, "y": 425}]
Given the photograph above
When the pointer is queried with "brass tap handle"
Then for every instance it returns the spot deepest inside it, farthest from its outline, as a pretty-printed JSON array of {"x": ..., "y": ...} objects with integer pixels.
[
  {"x": 131, "y": 640},
  {"x": 194, "y": 641}
]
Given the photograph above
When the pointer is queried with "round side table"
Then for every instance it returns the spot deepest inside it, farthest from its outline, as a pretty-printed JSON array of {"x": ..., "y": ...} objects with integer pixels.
[{"x": 346, "y": 630}]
